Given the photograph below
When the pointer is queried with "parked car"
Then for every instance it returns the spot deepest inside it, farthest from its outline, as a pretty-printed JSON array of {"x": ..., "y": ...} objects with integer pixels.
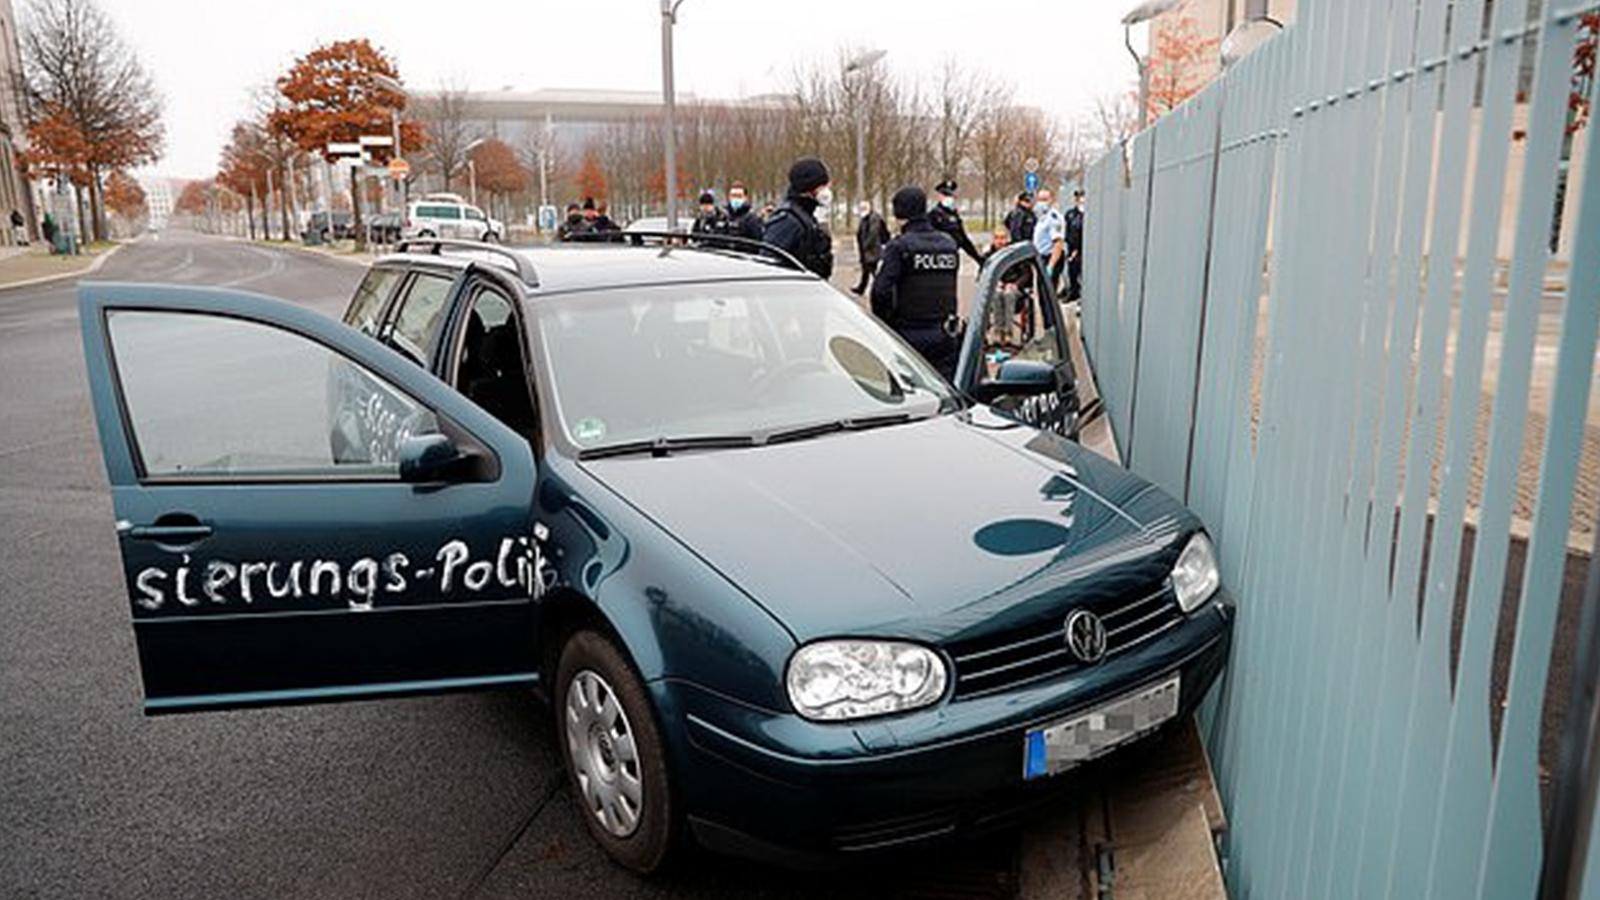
[
  {"x": 448, "y": 216},
  {"x": 788, "y": 592},
  {"x": 383, "y": 228},
  {"x": 657, "y": 224},
  {"x": 335, "y": 226}
]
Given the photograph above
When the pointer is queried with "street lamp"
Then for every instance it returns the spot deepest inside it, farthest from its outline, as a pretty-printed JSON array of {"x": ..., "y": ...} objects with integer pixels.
[
  {"x": 1246, "y": 37},
  {"x": 859, "y": 66},
  {"x": 472, "y": 168},
  {"x": 1140, "y": 14},
  {"x": 669, "y": 18},
  {"x": 393, "y": 84}
]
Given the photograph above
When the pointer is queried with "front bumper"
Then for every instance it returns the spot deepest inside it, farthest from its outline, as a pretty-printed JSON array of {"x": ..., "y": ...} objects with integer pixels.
[{"x": 787, "y": 790}]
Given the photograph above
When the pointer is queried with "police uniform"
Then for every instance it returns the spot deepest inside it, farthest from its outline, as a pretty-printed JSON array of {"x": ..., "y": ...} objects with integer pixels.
[
  {"x": 793, "y": 227},
  {"x": 948, "y": 220},
  {"x": 1074, "y": 220},
  {"x": 915, "y": 290}
]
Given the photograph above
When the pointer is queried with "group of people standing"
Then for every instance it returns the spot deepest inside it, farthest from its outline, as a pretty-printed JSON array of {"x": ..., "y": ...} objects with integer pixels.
[
  {"x": 588, "y": 221},
  {"x": 913, "y": 277},
  {"x": 1056, "y": 235}
]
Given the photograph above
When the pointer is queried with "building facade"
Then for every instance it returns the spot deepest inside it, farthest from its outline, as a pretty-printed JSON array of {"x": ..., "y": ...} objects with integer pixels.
[{"x": 14, "y": 190}]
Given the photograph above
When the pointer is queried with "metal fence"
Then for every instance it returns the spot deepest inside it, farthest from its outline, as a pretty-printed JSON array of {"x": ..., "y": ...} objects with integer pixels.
[{"x": 1295, "y": 308}]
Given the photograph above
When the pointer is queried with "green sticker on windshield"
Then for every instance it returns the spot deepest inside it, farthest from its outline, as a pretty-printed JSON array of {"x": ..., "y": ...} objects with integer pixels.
[{"x": 587, "y": 431}]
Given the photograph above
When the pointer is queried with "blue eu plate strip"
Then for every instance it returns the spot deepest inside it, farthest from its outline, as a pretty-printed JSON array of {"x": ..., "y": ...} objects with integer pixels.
[{"x": 1034, "y": 765}]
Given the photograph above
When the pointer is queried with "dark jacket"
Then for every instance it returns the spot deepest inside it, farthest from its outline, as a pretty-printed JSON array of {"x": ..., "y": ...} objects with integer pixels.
[
  {"x": 1074, "y": 219},
  {"x": 949, "y": 222},
  {"x": 1020, "y": 222},
  {"x": 572, "y": 228},
  {"x": 871, "y": 235},
  {"x": 745, "y": 222},
  {"x": 916, "y": 284},
  {"x": 793, "y": 227},
  {"x": 713, "y": 222}
]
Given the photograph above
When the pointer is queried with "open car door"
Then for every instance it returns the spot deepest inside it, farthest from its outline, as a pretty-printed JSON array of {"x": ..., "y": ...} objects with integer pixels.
[
  {"x": 303, "y": 514},
  {"x": 1015, "y": 356}
]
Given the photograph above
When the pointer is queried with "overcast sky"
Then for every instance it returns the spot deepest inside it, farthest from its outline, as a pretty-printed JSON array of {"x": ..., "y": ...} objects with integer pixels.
[{"x": 207, "y": 56}]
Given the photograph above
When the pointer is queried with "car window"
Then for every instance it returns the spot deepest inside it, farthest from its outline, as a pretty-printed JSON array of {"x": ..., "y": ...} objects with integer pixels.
[
  {"x": 697, "y": 360},
  {"x": 474, "y": 214},
  {"x": 449, "y": 212},
  {"x": 490, "y": 367},
  {"x": 421, "y": 310},
  {"x": 367, "y": 305},
  {"x": 211, "y": 396},
  {"x": 1014, "y": 326}
]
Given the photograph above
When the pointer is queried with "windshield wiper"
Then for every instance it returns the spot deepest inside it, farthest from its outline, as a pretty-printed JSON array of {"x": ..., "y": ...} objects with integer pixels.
[
  {"x": 860, "y": 423},
  {"x": 665, "y": 446}
]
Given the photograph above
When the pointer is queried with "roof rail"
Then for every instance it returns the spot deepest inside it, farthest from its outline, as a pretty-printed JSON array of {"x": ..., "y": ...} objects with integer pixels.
[
  {"x": 519, "y": 263},
  {"x": 670, "y": 239}
]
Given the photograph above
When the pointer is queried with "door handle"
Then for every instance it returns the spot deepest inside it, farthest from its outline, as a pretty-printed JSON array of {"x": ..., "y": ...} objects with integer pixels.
[{"x": 172, "y": 528}]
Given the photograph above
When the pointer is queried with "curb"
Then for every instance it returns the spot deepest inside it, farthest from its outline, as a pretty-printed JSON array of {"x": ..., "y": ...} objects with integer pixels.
[
  {"x": 351, "y": 259},
  {"x": 90, "y": 269}
]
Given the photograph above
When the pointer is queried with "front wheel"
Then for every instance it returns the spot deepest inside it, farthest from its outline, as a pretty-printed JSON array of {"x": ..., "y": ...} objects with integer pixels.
[
  {"x": 615, "y": 763},
  {"x": 490, "y": 237}
]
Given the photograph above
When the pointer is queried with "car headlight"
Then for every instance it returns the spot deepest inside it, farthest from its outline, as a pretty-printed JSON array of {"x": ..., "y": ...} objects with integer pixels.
[
  {"x": 834, "y": 680},
  {"x": 1195, "y": 577}
]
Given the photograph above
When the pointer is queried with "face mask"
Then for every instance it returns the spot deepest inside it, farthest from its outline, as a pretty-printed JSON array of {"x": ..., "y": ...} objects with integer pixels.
[
  {"x": 947, "y": 202},
  {"x": 864, "y": 210},
  {"x": 825, "y": 197},
  {"x": 736, "y": 203}
]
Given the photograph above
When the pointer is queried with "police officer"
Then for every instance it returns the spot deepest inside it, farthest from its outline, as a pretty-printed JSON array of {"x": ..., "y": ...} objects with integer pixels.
[
  {"x": 574, "y": 226},
  {"x": 710, "y": 220},
  {"x": 742, "y": 220},
  {"x": 1020, "y": 221},
  {"x": 1074, "y": 220},
  {"x": 946, "y": 218},
  {"x": 915, "y": 291},
  {"x": 793, "y": 225}
]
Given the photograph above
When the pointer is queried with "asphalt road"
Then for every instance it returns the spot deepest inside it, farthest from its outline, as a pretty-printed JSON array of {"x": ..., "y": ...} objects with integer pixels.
[{"x": 436, "y": 797}]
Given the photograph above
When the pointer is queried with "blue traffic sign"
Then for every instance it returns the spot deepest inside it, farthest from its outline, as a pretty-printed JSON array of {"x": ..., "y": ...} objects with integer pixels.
[{"x": 1030, "y": 181}]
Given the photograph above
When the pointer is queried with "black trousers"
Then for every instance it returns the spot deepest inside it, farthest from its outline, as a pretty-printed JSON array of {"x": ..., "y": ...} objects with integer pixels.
[
  {"x": 936, "y": 345},
  {"x": 869, "y": 268},
  {"x": 1075, "y": 277}
]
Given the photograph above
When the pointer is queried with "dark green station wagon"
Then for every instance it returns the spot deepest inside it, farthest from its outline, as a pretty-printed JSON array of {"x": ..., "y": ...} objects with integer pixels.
[{"x": 789, "y": 593}]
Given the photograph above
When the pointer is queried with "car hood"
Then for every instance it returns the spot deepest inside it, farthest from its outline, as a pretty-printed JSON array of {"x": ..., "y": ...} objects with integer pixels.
[{"x": 914, "y": 529}]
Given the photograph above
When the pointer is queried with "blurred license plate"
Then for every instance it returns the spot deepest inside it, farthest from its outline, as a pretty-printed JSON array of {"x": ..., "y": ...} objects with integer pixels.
[{"x": 1056, "y": 747}]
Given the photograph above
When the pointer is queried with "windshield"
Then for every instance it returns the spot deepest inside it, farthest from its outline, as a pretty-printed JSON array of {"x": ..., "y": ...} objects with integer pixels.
[{"x": 723, "y": 359}]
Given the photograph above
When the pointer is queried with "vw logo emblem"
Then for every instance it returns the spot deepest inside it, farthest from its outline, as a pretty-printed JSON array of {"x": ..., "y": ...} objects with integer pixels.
[{"x": 1086, "y": 636}]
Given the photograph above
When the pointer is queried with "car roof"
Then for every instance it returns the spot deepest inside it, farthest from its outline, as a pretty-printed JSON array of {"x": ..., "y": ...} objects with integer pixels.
[{"x": 581, "y": 267}]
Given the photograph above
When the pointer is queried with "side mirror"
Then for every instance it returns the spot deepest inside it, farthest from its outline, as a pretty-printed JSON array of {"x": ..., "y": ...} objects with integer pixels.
[
  {"x": 1018, "y": 378},
  {"x": 429, "y": 457}
]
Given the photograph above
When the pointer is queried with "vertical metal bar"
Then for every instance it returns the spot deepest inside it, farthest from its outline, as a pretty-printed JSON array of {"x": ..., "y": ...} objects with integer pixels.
[
  {"x": 1466, "y": 804},
  {"x": 1570, "y": 856},
  {"x": 1429, "y": 694},
  {"x": 1513, "y": 843}
]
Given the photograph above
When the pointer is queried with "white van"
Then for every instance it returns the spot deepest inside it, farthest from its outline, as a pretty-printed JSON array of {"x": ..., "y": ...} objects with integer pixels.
[{"x": 449, "y": 216}]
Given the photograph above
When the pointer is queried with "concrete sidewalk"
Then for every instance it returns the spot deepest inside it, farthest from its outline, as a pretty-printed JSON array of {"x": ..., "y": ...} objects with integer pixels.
[{"x": 34, "y": 264}]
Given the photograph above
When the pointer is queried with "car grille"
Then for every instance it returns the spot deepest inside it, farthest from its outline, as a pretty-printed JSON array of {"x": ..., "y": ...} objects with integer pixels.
[{"x": 1035, "y": 652}]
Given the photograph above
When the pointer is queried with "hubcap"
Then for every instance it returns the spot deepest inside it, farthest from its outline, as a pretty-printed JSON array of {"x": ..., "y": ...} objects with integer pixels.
[{"x": 603, "y": 755}]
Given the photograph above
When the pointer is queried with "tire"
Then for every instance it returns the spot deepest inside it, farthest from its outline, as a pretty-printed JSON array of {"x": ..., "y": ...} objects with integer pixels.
[
  {"x": 490, "y": 237},
  {"x": 593, "y": 678},
  {"x": 425, "y": 233}
]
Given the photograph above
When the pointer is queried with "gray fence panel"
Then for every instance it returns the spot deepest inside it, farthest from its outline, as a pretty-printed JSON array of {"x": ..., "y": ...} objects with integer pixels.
[{"x": 1350, "y": 158}]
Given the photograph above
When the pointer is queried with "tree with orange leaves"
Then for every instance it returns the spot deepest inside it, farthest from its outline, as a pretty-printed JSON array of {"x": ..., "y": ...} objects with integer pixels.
[
  {"x": 96, "y": 109},
  {"x": 192, "y": 198},
  {"x": 498, "y": 170},
  {"x": 243, "y": 168},
  {"x": 590, "y": 180},
  {"x": 1583, "y": 69},
  {"x": 1179, "y": 64},
  {"x": 125, "y": 198},
  {"x": 336, "y": 94}
]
